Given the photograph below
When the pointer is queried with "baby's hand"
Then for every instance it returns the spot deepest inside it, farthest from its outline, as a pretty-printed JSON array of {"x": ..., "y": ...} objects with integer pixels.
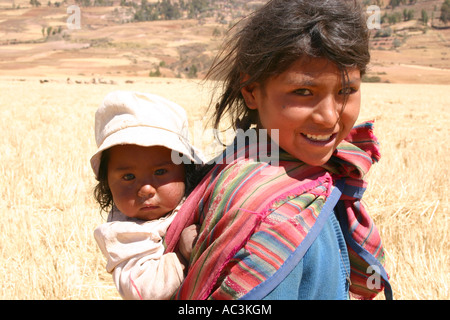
[{"x": 187, "y": 240}]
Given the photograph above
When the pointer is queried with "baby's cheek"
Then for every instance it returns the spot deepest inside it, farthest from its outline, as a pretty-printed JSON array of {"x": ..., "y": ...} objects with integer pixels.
[{"x": 174, "y": 193}]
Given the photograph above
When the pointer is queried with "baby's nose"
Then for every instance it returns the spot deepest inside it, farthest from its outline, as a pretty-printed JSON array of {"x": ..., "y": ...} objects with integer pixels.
[{"x": 147, "y": 190}]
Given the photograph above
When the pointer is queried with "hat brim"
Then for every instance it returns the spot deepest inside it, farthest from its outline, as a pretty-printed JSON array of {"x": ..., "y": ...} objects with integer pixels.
[{"x": 145, "y": 137}]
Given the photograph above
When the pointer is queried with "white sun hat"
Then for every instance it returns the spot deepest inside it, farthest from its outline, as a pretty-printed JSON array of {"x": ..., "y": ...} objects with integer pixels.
[{"x": 143, "y": 119}]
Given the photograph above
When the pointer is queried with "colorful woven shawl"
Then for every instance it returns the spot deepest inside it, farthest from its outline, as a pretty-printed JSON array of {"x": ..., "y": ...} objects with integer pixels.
[{"x": 249, "y": 230}]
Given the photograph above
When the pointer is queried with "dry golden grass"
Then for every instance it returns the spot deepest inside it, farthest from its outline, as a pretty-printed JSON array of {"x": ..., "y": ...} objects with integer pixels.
[
  {"x": 47, "y": 213},
  {"x": 408, "y": 191}
]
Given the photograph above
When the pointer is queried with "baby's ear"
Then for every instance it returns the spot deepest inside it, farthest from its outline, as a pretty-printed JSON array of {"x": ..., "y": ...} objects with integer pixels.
[{"x": 249, "y": 92}]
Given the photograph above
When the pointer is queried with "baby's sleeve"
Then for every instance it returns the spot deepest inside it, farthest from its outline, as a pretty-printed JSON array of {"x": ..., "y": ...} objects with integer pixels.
[
  {"x": 149, "y": 279},
  {"x": 135, "y": 257}
]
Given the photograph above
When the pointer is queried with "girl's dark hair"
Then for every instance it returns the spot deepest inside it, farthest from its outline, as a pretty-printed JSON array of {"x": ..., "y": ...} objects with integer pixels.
[
  {"x": 277, "y": 35},
  {"x": 103, "y": 195}
]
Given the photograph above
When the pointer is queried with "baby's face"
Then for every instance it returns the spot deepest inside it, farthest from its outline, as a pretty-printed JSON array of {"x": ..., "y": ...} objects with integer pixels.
[{"x": 144, "y": 182}]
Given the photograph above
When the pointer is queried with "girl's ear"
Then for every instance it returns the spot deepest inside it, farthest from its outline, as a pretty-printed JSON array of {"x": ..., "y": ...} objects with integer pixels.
[{"x": 249, "y": 93}]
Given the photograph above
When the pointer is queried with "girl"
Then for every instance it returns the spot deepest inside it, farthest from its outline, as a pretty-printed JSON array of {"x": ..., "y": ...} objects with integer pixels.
[
  {"x": 137, "y": 136},
  {"x": 296, "y": 230}
]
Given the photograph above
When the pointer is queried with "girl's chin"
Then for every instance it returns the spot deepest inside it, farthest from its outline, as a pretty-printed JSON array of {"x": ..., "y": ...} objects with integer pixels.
[{"x": 314, "y": 153}]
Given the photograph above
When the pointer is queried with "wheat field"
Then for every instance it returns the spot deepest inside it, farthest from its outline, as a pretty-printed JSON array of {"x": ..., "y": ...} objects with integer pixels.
[{"x": 47, "y": 212}]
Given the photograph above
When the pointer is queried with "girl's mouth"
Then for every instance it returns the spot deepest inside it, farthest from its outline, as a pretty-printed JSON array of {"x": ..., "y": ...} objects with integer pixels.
[{"x": 320, "y": 140}]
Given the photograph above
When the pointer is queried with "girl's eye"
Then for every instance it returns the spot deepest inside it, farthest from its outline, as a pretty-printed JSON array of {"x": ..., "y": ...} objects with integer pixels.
[
  {"x": 160, "y": 172},
  {"x": 128, "y": 177},
  {"x": 303, "y": 92},
  {"x": 347, "y": 91}
]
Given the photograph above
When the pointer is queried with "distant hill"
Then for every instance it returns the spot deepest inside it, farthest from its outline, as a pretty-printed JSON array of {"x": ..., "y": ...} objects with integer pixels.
[{"x": 179, "y": 38}]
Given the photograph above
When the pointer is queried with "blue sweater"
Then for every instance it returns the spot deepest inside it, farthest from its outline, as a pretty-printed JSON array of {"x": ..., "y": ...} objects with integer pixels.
[{"x": 322, "y": 272}]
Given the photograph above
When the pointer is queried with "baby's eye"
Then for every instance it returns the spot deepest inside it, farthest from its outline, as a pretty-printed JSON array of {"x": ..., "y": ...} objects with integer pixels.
[
  {"x": 160, "y": 172},
  {"x": 303, "y": 92},
  {"x": 128, "y": 177}
]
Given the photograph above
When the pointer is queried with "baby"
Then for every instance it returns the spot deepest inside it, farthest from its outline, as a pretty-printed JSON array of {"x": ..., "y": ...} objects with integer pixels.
[{"x": 138, "y": 135}]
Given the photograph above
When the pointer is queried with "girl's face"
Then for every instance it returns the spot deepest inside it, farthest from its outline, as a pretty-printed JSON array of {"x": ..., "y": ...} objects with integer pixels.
[
  {"x": 144, "y": 181},
  {"x": 305, "y": 103}
]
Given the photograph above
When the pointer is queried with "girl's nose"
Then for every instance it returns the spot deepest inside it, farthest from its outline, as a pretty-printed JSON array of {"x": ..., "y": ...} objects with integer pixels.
[
  {"x": 326, "y": 112},
  {"x": 146, "y": 191}
]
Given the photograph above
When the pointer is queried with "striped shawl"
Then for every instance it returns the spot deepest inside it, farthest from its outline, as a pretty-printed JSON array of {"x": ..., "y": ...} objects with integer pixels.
[{"x": 249, "y": 229}]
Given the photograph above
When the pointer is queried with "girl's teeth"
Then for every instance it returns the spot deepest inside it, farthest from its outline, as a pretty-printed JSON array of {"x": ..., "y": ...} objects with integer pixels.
[{"x": 318, "y": 138}]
